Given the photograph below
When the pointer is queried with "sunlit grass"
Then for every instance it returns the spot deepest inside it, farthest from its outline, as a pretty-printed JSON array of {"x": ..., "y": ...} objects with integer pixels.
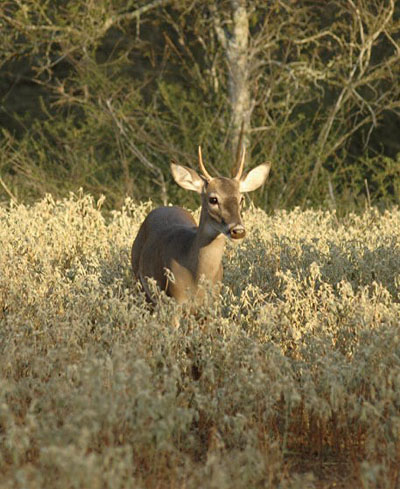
[{"x": 291, "y": 378}]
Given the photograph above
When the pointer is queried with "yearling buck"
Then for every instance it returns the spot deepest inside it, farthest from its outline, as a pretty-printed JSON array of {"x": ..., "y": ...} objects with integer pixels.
[{"x": 169, "y": 238}]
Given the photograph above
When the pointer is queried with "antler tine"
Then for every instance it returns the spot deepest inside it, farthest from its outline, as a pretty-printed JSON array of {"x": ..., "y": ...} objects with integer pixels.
[
  {"x": 238, "y": 168},
  {"x": 239, "y": 144},
  {"x": 202, "y": 167},
  {"x": 241, "y": 164}
]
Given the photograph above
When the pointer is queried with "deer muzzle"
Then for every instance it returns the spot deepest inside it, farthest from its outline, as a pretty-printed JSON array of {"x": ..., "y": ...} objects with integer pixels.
[{"x": 237, "y": 232}]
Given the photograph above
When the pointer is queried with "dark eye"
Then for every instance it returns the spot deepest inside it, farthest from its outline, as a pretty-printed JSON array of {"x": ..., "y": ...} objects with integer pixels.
[
  {"x": 242, "y": 200},
  {"x": 213, "y": 200}
]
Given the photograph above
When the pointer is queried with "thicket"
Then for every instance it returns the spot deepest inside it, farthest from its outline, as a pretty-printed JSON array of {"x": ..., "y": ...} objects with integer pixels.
[
  {"x": 102, "y": 94},
  {"x": 291, "y": 378}
]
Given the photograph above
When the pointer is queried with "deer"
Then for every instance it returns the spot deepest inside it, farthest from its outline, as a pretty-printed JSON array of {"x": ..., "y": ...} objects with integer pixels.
[{"x": 169, "y": 241}]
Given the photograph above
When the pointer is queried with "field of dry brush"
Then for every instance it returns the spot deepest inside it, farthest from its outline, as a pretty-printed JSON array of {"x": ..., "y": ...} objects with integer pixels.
[{"x": 289, "y": 379}]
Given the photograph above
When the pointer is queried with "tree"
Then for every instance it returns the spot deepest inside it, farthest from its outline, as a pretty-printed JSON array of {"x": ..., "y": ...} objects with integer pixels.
[
  {"x": 236, "y": 46},
  {"x": 126, "y": 86},
  {"x": 315, "y": 75}
]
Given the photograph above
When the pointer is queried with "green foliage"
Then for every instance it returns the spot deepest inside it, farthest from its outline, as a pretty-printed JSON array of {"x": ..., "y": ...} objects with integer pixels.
[
  {"x": 103, "y": 94},
  {"x": 380, "y": 177},
  {"x": 290, "y": 378}
]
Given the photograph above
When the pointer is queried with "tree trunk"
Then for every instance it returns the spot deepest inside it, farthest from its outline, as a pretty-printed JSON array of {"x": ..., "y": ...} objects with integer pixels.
[
  {"x": 236, "y": 43},
  {"x": 239, "y": 90}
]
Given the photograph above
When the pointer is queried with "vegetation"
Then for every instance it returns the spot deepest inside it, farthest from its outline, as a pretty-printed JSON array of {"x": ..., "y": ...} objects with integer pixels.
[
  {"x": 103, "y": 94},
  {"x": 289, "y": 379}
]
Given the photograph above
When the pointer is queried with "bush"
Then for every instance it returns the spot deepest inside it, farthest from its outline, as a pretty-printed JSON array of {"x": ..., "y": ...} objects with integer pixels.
[
  {"x": 298, "y": 358},
  {"x": 102, "y": 95}
]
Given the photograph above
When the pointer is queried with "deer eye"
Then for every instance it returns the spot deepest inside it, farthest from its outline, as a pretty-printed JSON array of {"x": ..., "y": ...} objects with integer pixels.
[
  {"x": 242, "y": 200},
  {"x": 213, "y": 200}
]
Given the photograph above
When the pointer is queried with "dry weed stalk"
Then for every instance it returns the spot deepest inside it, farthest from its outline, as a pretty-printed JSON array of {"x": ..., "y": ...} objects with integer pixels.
[{"x": 300, "y": 356}]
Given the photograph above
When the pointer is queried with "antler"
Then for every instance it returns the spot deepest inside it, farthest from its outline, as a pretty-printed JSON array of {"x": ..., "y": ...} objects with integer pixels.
[
  {"x": 238, "y": 175},
  {"x": 202, "y": 167},
  {"x": 240, "y": 154}
]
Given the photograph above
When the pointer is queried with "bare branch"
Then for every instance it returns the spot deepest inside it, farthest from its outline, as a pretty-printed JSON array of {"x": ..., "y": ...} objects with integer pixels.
[
  {"x": 137, "y": 153},
  {"x": 8, "y": 191},
  {"x": 135, "y": 14}
]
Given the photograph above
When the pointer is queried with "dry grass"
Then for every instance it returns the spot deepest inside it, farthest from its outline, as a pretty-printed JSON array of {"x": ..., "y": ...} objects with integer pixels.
[{"x": 299, "y": 357}]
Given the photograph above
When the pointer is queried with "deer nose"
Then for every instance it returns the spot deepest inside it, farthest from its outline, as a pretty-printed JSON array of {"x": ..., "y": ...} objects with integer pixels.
[{"x": 237, "y": 232}]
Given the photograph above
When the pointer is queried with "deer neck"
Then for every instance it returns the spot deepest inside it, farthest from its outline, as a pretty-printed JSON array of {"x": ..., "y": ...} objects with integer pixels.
[{"x": 208, "y": 248}]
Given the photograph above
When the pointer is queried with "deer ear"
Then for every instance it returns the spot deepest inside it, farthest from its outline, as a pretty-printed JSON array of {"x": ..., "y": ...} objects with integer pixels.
[
  {"x": 255, "y": 178},
  {"x": 187, "y": 178}
]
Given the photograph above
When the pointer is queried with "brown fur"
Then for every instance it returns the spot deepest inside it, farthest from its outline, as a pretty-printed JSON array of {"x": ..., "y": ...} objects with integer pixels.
[{"x": 170, "y": 239}]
